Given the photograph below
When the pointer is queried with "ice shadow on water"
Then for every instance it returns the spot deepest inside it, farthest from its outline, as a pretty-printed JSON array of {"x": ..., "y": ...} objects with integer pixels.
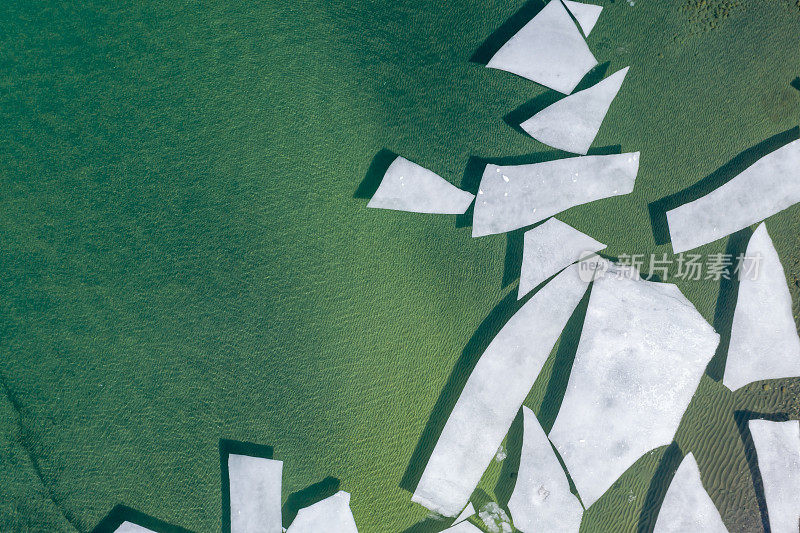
[
  {"x": 121, "y": 513},
  {"x": 796, "y": 83},
  {"x": 657, "y": 490},
  {"x": 226, "y": 448},
  {"x": 510, "y": 469},
  {"x": 508, "y": 29},
  {"x": 377, "y": 168},
  {"x": 308, "y": 496}
]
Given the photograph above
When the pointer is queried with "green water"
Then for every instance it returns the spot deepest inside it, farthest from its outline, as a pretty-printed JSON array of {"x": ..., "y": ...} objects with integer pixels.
[{"x": 182, "y": 258}]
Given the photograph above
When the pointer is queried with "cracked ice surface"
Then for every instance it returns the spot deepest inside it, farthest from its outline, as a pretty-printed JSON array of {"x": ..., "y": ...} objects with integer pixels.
[
  {"x": 687, "y": 506},
  {"x": 541, "y": 500},
  {"x": 768, "y": 186},
  {"x": 512, "y": 197},
  {"x": 331, "y": 515},
  {"x": 639, "y": 360},
  {"x": 585, "y": 14},
  {"x": 778, "y": 450},
  {"x": 572, "y": 123},
  {"x": 548, "y": 248},
  {"x": 130, "y": 527},
  {"x": 406, "y": 186},
  {"x": 494, "y": 393},
  {"x": 549, "y": 50},
  {"x": 255, "y": 485}
]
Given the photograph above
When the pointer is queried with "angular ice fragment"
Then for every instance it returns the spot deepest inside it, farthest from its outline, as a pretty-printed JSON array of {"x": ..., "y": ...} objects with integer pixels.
[
  {"x": 764, "y": 341},
  {"x": 494, "y": 393},
  {"x": 541, "y": 500},
  {"x": 639, "y": 360},
  {"x": 585, "y": 14},
  {"x": 766, "y": 187},
  {"x": 572, "y": 123},
  {"x": 463, "y": 527},
  {"x": 468, "y": 511},
  {"x": 406, "y": 186},
  {"x": 549, "y": 50},
  {"x": 330, "y": 515},
  {"x": 130, "y": 527},
  {"x": 540, "y": 190},
  {"x": 778, "y": 450},
  {"x": 687, "y": 506},
  {"x": 255, "y": 485},
  {"x": 550, "y": 247}
]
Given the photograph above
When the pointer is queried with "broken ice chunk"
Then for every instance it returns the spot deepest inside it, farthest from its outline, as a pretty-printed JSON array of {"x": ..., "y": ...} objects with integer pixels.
[
  {"x": 541, "y": 500},
  {"x": 585, "y": 14},
  {"x": 572, "y": 123},
  {"x": 764, "y": 342},
  {"x": 406, "y": 186},
  {"x": 687, "y": 506},
  {"x": 255, "y": 485},
  {"x": 639, "y": 360},
  {"x": 549, "y": 50},
  {"x": 778, "y": 450},
  {"x": 468, "y": 511},
  {"x": 768, "y": 186},
  {"x": 130, "y": 527},
  {"x": 463, "y": 527},
  {"x": 330, "y": 515},
  {"x": 495, "y": 518},
  {"x": 494, "y": 393},
  {"x": 550, "y": 247},
  {"x": 540, "y": 190}
]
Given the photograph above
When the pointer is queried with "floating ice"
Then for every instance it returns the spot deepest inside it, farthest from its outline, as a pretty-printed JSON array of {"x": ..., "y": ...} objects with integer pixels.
[
  {"x": 541, "y": 500},
  {"x": 406, "y": 186},
  {"x": 468, "y": 511},
  {"x": 687, "y": 506},
  {"x": 768, "y": 186},
  {"x": 255, "y": 485},
  {"x": 331, "y": 515},
  {"x": 572, "y": 123},
  {"x": 540, "y": 190},
  {"x": 463, "y": 527},
  {"x": 495, "y": 518},
  {"x": 639, "y": 360},
  {"x": 550, "y": 247},
  {"x": 778, "y": 450},
  {"x": 494, "y": 393},
  {"x": 549, "y": 50},
  {"x": 130, "y": 527},
  {"x": 585, "y": 14},
  {"x": 764, "y": 342}
]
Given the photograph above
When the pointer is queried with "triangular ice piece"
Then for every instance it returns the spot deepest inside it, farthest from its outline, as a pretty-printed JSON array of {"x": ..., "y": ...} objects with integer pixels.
[
  {"x": 331, "y": 515},
  {"x": 463, "y": 527},
  {"x": 585, "y": 14},
  {"x": 640, "y": 357},
  {"x": 494, "y": 393},
  {"x": 255, "y": 485},
  {"x": 406, "y": 186},
  {"x": 541, "y": 500},
  {"x": 766, "y": 187},
  {"x": 778, "y": 450},
  {"x": 512, "y": 197},
  {"x": 548, "y": 248},
  {"x": 130, "y": 527},
  {"x": 764, "y": 341},
  {"x": 687, "y": 507},
  {"x": 572, "y": 123},
  {"x": 468, "y": 511},
  {"x": 549, "y": 50}
]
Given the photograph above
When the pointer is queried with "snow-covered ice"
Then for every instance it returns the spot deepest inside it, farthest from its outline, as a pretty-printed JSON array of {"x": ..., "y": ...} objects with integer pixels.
[
  {"x": 541, "y": 500},
  {"x": 331, "y": 515},
  {"x": 407, "y": 186},
  {"x": 512, "y": 197},
  {"x": 549, "y": 50},
  {"x": 585, "y": 14},
  {"x": 468, "y": 511},
  {"x": 130, "y": 527},
  {"x": 493, "y": 394},
  {"x": 766, "y": 187},
  {"x": 255, "y": 485}
]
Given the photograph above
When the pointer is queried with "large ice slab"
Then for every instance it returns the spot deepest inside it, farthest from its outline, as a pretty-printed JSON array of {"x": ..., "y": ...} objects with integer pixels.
[
  {"x": 541, "y": 500},
  {"x": 549, "y": 50},
  {"x": 572, "y": 123},
  {"x": 548, "y": 248},
  {"x": 130, "y": 527},
  {"x": 687, "y": 506},
  {"x": 778, "y": 450},
  {"x": 764, "y": 341},
  {"x": 766, "y": 187},
  {"x": 255, "y": 485},
  {"x": 406, "y": 186},
  {"x": 640, "y": 357},
  {"x": 330, "y": 515},
  {"x": 512, "y": 197},
  {"x": 585, "y": 14},
  {"x": 494, "y": 393}
]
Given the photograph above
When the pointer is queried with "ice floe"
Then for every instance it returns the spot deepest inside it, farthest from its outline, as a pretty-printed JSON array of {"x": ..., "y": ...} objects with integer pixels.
[
  {"x": 331, "y": 515},
  {"x": 687, "y": 506},
  {"x": 639, "y": 360},
  {"x": 548, "y": 248},
  {"x": 255, "y": 485},
  {"x": 463, "y": 527},
  {"x": 512, "y": 197},
  {"x": 541, "y": 500},
  {"x": 572, "y": 123},
  {"x": 549, "y": 50},
  {"x": 406, "y": 186},
  {"x": 468, "y": 511},
  {"x": 766, "y": 187},
  {"x": 493, "y": 394},
  {"x": 585, "y": 14},
  {"x": 778, "y": 450},
  {"x": 764, "y": 342},
  {"x": 130, "y": 527}
]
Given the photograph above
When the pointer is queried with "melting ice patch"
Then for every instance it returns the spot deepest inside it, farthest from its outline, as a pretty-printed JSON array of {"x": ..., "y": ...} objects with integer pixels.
[
  {"x": 255, "y": 485},
  {"x": 330, "y": 515},
  {"x": 495, "y": 518}
]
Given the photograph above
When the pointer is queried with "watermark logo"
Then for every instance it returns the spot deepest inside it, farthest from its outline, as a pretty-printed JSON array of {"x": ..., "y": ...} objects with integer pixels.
[{"x": 683, "y": 266}]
